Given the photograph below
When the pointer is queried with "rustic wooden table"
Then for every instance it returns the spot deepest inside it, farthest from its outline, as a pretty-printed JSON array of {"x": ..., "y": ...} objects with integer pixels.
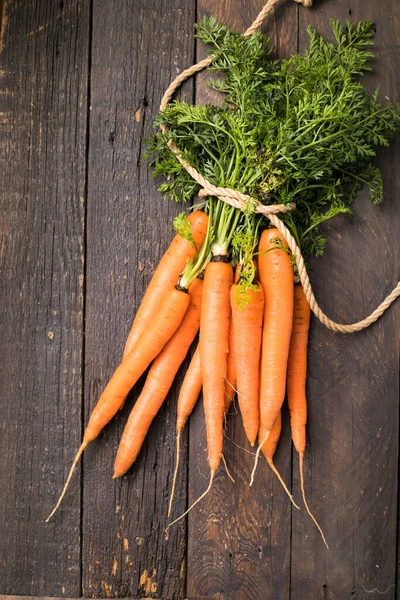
[{"x": 82, "y": 228}]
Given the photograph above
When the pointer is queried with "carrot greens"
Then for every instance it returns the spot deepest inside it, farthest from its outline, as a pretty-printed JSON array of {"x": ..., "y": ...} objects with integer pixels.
[{"x": 301, "y": 130}]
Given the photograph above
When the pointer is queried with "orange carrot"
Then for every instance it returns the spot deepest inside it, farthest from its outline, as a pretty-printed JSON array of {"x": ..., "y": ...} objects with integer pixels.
[
  {"x": 297, "y": 369},
  {"x": 296, "y": 383},
  {"x": 167, "y": 273},
  {"x": 158, "y": 383},
  {"x": 247, "y": 321},
  {"x": 276, "y": 275},
  {"x": 214, "y": 344},
  {"x": 269, "y": 448},
  {"x": 163, "y": 325},
  {"x": 189, "y": 391},
  {"x": 230, "y": 382},
  {"x": 187, "y": 399}
]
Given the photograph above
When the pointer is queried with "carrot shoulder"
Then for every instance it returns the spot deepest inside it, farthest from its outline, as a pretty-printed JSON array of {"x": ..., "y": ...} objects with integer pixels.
[{"x": 167, "y": 273}]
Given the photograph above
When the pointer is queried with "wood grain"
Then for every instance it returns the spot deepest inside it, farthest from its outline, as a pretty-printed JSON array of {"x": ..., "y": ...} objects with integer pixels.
[
  {"x": 239, "y": 537},
  {"x": 43, "y": 139},
  {"x": 353, "y": 380},
  {"x": 137, "y": 49}
]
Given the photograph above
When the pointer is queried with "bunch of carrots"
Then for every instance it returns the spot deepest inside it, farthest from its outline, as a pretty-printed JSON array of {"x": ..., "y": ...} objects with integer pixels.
[
  {"x": 265, "y": 334},
  {"x": 298, "y": 132}
]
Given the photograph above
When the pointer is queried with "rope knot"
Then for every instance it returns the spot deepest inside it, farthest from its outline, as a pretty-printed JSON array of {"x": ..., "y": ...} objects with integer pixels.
[
  {"x": 243, "y": 201},
  {"x": 232, "y": 197}
]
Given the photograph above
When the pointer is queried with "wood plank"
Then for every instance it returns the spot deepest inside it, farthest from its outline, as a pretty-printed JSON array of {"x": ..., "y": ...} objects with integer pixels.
[
  {"x": 137, "y": 49},
  {"x": 351, "y": 465},
  {"x": 239, "y": 537},
  {"x": 43, "y": 142}
]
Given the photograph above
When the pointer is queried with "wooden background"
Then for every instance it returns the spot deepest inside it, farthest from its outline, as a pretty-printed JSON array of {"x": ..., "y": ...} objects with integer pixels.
[{"x": 82, "y": 228}]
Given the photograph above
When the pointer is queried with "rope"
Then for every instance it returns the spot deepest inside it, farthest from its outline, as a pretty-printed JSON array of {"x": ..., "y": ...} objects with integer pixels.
[{"x": 244, "y": 202}]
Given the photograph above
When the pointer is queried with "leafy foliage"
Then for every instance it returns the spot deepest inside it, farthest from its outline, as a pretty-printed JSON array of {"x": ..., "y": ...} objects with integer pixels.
[
  {"x": 301, "y": 130},
  {"x": 183, "y": 228}
]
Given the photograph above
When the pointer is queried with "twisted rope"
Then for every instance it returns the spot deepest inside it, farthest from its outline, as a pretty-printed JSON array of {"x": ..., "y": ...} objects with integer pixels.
[{"x": 243, "y": 201}]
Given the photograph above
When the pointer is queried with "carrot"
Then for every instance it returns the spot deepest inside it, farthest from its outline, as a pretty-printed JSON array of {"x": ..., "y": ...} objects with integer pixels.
[
  {"x": 187, "y": 399},
  {"x": 269, "y": 448},
  {"x": 158, "y": 383},
  {"x": 276, "y": 276},
  {"x": 230, "y": 382},
  {"x": 296, "y": 384},
  {"x": 247, "y": 322},
  {"x": 167, "y": 273},
  {"x": 214, "y": 337},
  {"x": 164, "y": 323},
  {"x": 297, "y": 369},
  {"x": 189, "y": 391},
  {"x": 214, "y": 344}
]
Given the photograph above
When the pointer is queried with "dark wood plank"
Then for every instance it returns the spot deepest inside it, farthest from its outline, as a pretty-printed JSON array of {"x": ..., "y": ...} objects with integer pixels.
[
  {"x": 44, "y": 76},
  {"x": 351, "y": 466},
  {"x": 239, "y": 537},
  {"x": 137, "y": 49}
]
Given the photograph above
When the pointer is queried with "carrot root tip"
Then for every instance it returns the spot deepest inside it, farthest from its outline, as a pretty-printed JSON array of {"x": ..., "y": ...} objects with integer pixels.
[
  {"x": 257, "y": 457},
  {"x": 278, "y": 475},
  {"x": 301, "y": 458},
  {"x": 71, "y": 472},
  {"x": 178, "y": 450},
  {"x": 194, "y": 503},
  {"x": 226, "y": 468}
]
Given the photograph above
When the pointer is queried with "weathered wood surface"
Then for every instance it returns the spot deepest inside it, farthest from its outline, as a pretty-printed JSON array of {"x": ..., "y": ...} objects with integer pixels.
[
  {"x": 44, "y": 76},
  {"x": 82, "y": 228}
]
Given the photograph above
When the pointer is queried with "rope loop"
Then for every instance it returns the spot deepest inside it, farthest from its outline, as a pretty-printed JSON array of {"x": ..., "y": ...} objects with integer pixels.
[{"x": 244, "y": 202}]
